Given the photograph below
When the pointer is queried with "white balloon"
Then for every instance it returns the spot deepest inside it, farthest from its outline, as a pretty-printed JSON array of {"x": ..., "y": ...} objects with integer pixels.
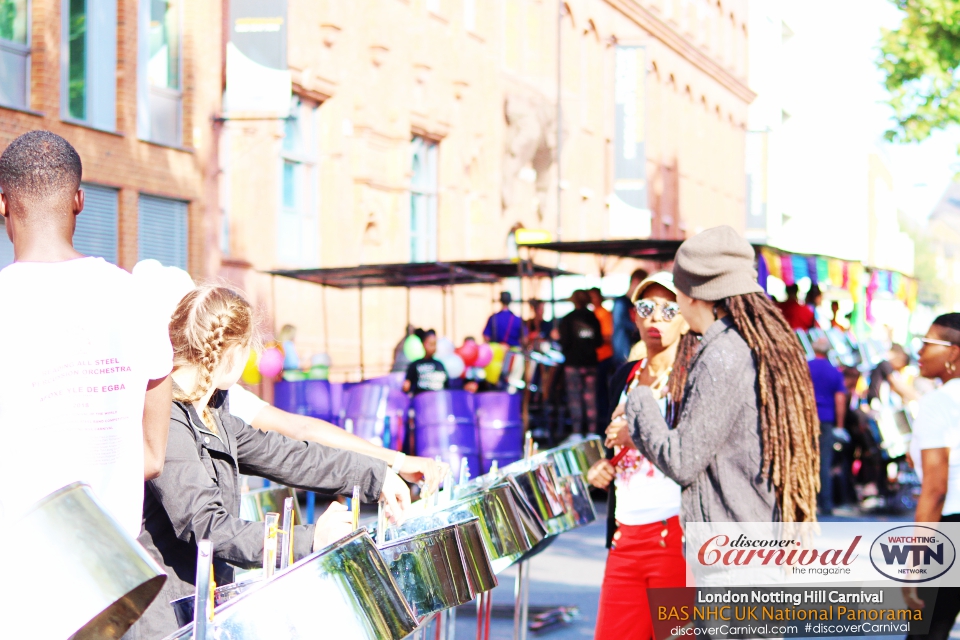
[
  {"x": 320, "y": 360},
  {"x": 445, "y": 348},
  {"x": 454, "y": 365}
]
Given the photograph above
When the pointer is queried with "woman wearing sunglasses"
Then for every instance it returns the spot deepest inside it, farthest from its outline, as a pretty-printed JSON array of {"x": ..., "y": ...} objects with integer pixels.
[
  {"x": 935, "y": 454},
  {"x": 643, "y": 528},
  {"x": 744, "y": 446}
]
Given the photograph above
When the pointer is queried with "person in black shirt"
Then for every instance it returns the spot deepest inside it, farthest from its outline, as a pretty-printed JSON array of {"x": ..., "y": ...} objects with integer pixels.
[
  {"x": 580, "y": 335},
  {"x": 426, "y": 374}
]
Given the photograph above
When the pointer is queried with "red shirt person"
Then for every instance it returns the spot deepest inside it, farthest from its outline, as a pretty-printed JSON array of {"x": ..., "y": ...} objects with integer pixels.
[{"x": 798, "y": 316}]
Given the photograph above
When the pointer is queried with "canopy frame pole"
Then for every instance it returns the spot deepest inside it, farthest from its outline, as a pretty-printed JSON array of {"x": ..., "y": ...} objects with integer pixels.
[
  {"x": 406, "y": 329},
  {"x": 362, "y": 372},
  {"x": 453, "y": 307},
  {"x": 326, "y": 326}
]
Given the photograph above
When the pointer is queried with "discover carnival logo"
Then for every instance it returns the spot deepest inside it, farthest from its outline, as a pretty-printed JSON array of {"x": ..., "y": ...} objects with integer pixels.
[{"x": 912, "y": 553}]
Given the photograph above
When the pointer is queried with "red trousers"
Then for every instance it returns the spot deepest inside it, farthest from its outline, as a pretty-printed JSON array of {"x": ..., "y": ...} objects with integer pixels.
[{"x": 636, "y": 563}]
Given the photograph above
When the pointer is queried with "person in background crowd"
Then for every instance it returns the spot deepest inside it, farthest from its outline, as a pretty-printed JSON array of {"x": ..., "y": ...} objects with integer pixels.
[
  {"x": 886, "y": 375},
  {"x": 745, "y": 446},
  {"x": 835, "y": 316},
  {"x": 90, "y": 395},
  {"x": 504, "y": 326},
  {"x": 935, "y": 454},
  {"x": 212, "y": 331},
  {"x": 426, "y": 374},
  {"x": 537, "y": 327},
  {"x": 605, "y": 367},
  {"x": 168, "y": 286},
  {"x": 798, "y": 316},
  {"x": 400, "y": 361},
  {"x": 624, "y": 328},
  {"x": 643, "y": 528},
  {"x": 580, "y": 336},
  {"x": 831, "y": 395},
  {"x": 287, "y": 339},
  {"x": 813, "y": 299}
]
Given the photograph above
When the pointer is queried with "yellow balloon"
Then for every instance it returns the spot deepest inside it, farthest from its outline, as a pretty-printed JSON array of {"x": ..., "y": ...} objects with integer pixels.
[
  {"x": 251, "y": 374},
  {"x": 495, "y": 367}
]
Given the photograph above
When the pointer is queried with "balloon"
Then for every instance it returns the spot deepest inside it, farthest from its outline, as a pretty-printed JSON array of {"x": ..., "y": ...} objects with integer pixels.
[
  {"x": 271, "y": 362},
  {"x": 484, "y": 356},
  {"x": 251, "y": 375},
  {"x": 495, "y": 367},
  {"x": 413, "y": 348},
  {"x": 468, "y": 352},
  {"x": 320, "y": 360},
  {"x": 444, "y": 348},
  {"x": 454, "y": 365}
]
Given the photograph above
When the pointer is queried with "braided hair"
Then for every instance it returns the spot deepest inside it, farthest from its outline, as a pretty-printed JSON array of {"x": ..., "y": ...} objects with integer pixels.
[
  {"x": 208, "y": 322},
  {"x": 686, "y": 351},
  {"x": 789, "y": 426}
]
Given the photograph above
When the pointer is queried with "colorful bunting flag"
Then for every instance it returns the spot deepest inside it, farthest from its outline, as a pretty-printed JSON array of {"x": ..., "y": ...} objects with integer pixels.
[
  {"x": 786, "y": 269},
  {"x": 799, "y": 264},
  {"x": 823, "y": 270}
]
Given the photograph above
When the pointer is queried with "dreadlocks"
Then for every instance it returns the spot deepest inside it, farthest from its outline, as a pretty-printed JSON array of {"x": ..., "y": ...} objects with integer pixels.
[
  {"x": 686, "y": 350},
  {"x": 789, "y": 426}
]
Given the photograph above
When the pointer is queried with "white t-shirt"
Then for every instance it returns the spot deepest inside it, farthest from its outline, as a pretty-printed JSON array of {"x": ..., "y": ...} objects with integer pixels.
[
  {"x": 245, "y": 404},
  {"x": 938, "y": 426},
  {"x": 79, "y": 345},
  {"x": 644, "y": 494}
]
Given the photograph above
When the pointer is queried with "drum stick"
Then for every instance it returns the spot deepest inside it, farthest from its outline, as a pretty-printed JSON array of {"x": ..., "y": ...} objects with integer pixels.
[
  {"x": 617, "y": 458},
  {"x": 355, "y": 506},
  {"x": 270, "y": 526}
]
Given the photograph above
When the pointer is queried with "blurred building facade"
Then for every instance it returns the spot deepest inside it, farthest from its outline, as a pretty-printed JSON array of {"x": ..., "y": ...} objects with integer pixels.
[
  {"x": 428, "y": 130},
  {"x": 942, "y": 242},
  {"x": 125, "y": 81}
]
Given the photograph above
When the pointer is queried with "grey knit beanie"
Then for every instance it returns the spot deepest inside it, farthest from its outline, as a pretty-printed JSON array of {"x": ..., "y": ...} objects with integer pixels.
[{"x": 715, "y": 264}]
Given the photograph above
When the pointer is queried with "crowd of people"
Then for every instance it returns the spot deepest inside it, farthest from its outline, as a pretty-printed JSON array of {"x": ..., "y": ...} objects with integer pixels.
[{"x": 706, "y": 392}]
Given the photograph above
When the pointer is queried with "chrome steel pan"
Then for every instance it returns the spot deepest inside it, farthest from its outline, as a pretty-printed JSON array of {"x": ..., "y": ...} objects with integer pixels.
[
  {"x": 475, "y": 556},
  {"x": 183, "y": 607},
  {"x": 87, "y": 578},
  {"x": 255, "y": 504},
  {"x": 344, "y": 591},
  {"x": 577, "y": 458},
  {"x": 430, "y": 570},
  {"x": 562, "y": 502}
]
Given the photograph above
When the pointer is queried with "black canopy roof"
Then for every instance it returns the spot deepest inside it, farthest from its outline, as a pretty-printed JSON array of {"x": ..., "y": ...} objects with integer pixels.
[
  {"x": 420, "y": 274},
  {"x": 655, "y": 250}
]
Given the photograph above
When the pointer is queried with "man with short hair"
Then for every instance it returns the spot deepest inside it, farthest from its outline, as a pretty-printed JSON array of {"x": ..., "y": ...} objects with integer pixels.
[
  {"x": 504, "y": 326},
  {"x": 580, "y": 335},
  {"x": 85, "y": 378},
  {"x": 625, "y": 332},
  {"x": 831, "y": 395},
  {"x": 427, "y": 373}
]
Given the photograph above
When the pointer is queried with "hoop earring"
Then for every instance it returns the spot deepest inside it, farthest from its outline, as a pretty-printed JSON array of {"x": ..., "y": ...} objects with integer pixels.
[{"x": 950, "y": 367}]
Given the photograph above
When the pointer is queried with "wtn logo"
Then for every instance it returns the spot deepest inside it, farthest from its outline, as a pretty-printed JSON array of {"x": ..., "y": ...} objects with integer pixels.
[{"x": 912, "y": 553}]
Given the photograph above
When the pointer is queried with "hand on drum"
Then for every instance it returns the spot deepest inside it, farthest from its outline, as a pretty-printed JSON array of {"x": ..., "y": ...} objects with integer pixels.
[
  {"x": 431, "y": 473},
  {"x": 618, "y": 434},
  {"x": 601, "y": 474},
  {"x": 396, "y": 496},
  {"x": 333, "y": 524}
]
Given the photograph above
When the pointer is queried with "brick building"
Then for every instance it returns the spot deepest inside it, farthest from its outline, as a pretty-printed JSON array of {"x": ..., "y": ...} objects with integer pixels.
[
  {"x": 122, "y": 80},
  {"x": 428, "y": 129}
]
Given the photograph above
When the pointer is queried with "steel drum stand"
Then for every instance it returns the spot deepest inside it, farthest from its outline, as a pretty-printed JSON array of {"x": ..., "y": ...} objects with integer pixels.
[{"x": 521, "y": 599}]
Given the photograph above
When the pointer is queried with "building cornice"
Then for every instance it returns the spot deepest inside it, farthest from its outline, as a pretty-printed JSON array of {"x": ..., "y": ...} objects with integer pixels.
[{"x": 669, "y": 36}]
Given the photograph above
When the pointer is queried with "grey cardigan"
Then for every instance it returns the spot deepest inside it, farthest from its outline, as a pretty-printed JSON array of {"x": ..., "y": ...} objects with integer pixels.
[{"x": 714, "y": 454}]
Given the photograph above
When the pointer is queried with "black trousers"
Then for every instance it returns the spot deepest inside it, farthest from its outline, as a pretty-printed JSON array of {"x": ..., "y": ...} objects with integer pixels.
[{"x": 945, "y": 602}]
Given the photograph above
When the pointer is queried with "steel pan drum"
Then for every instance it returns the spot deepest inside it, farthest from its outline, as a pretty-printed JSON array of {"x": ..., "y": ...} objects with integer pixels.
[
  {"x": 561, "y": 502},
  {"x": 254, "y": 505},
  {"x": 376, "y": 413},
  {"x": 445, "y": 426},
  {"x": 304, "y": 397},
  {"x": 501, "y": 428},
  {"x": 429, "y": 569},
  {"x": 576, "y": 458},
  {"x": 87, "y": 578},
  {"x": 183, "y": 607},
  {"x": 344, "y": 591}
]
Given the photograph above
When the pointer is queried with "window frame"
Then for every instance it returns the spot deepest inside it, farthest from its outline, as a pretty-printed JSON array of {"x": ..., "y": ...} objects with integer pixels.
[
  {"x": 24, "y": 51},
  {"x": 430, "y": 193},
  {"x": 100, "y": 114},
  {"x": 145, "y": 89},
  {"x": 306, "y": 174}
]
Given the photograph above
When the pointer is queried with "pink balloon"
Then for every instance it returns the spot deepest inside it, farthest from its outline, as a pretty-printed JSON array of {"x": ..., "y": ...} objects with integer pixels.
[
  {"x": 484, "y": 355},
  {"x": 271, "y": 363},
  {"x": 469, "y": 352}
]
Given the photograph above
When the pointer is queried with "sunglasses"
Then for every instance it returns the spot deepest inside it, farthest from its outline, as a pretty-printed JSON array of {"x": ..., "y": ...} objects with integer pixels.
[
  {"x": 668, "y": 311},
  {"x": 942, "y": 343}
]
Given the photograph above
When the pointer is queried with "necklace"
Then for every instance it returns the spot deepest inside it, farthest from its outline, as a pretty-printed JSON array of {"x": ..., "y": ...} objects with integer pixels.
[{"x": 658, "y": 386}]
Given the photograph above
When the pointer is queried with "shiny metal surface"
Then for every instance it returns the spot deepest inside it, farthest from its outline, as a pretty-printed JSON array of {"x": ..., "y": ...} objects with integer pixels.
[
  {"x": 183, "y": 607},
  {"x": 104, "y": 578},
  {"x": 562, "y": 502},
  {"x": 576, "y": 458},
  {"x": 254, "y": 505},
  {"x": 430, "y": 570},
  {"x": 475, "y": 557},
  {"x": 344, "y": 591}
]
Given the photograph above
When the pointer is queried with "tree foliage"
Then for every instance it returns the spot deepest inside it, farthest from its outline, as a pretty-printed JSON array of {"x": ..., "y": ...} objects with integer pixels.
[{"x": 920, "y": 60}]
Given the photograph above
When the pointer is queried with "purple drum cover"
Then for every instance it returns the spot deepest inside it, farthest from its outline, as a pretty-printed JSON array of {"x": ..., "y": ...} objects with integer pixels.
[
  {"x": 288, "y": 396},
  {"x": 316, "y": 396},
  {"x": 501, "y": 427},
  {"x": 394, "y": 380},
  {"x": 368, "y": 406},
  {"x": 445, "y": 426},
  {"x": 336, "y": 401},
  {"x": 493, "y": 406},
  {"x": 444, "y": 407}
]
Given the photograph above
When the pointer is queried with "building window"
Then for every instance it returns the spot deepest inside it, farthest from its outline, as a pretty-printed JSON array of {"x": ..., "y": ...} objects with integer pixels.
[
  {"x": 96, "y": 232},
  {"x": 159, "y": 108},
  {"x": 423, "y": 201},
  {"x": 298, "y": 227},
  {"x": 162, "y": 231},
  {"x": 89, "y": 62},
  {"x": 15, "y": 53}
]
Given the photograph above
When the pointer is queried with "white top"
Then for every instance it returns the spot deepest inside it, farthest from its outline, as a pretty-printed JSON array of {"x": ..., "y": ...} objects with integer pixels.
[
  {"x": 644, "y": 494},
  {"x": 79, "y": 345},
  {"x": 938, "y": 426},
  {"x": 245, "y": 404}
]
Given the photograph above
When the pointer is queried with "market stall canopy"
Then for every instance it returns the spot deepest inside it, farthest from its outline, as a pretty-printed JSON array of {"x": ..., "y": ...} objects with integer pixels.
[
  {"x": 420, "y": 274},
  {"x": 641, "y": 249}
]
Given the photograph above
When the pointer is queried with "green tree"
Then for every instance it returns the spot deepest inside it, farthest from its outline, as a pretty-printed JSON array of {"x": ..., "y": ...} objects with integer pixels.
[{"x": 920, "y": 60}]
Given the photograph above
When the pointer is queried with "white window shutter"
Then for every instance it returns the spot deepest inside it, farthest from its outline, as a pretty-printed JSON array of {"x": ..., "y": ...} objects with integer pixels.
[
  {"x": 96, "y": 233},
  {"x": 162, "y": 231}
]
